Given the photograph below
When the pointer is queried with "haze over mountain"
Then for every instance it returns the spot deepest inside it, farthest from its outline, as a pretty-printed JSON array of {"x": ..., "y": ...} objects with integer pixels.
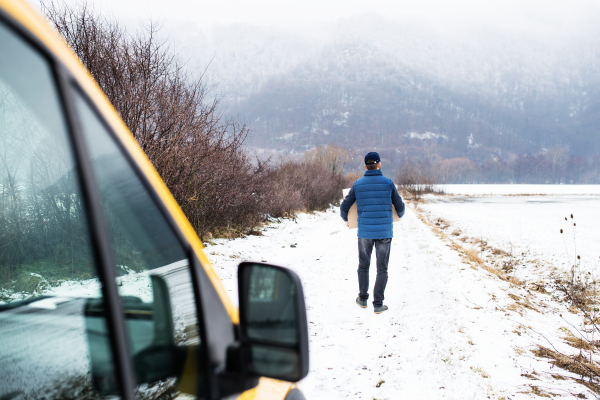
[
  {"x": 368, "y": 81},
  {"x": 488, "y": 81}
]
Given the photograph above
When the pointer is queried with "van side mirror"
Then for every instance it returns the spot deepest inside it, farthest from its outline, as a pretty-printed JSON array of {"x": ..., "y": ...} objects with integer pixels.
[{"x": 273, "y": 325}]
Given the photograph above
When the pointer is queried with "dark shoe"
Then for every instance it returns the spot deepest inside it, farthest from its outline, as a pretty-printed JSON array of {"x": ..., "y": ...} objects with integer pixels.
[
  {"x": 379, "y": 310},
  {"x": 361, "y": 302}
]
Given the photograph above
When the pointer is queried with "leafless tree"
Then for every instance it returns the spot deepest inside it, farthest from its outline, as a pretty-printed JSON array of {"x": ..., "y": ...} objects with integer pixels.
[{"x": 331, "y": 156}]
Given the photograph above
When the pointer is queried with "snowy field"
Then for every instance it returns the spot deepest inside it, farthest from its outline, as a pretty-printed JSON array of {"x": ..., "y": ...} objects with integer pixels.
[
  {"x": 529, "y": 225},
  {"x": 452, "y": 331},
  {"x": 522, "y": 189}
]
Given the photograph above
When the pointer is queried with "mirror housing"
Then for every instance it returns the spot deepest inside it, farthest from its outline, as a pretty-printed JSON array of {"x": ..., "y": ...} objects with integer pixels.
[{"x": 273, "y": 324}]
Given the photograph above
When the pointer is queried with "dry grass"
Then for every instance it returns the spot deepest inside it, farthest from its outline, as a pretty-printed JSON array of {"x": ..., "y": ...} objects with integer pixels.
[
  {"x": 592, "y": 321},
  {"x": 441, "y": 223},
  {"x": 471, "y": 254},
  {"x": 480, "y": 371},
  {"x": 499, "y": 252},
  {"x": 539, "y": 287},
  {"x": 516, "y": 308},
  {"x": 578, "y": 365},
  {"x": 531, "y": 376},
  {"x": 520, "y": 304},
  {"x": 509, "y": 265},
  {"x": 579, "y": 343},
  {"x": 539, "y": 392}
]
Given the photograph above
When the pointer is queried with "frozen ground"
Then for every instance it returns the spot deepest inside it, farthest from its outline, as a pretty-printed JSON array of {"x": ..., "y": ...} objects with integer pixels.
[
  {"x": 522, "y": 189},
  {"x": 451, "y": 331},
  {"x": 528, "y": 226}
]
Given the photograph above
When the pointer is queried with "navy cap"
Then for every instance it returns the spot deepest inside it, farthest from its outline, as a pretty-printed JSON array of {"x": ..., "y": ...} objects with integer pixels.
[{"x": 372, "y": 157}]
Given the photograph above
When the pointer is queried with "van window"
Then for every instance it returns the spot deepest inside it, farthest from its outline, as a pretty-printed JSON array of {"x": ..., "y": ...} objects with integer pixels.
[
  {"x": 148, "y": 256},
  {"x": 48, "y": 275}
]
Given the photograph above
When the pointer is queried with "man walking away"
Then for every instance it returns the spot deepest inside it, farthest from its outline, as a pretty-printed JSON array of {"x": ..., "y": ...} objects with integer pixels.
[{"x": 374, "y": 194}]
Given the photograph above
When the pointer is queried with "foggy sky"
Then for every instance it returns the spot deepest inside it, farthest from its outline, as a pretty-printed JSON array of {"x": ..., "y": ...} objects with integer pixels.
[{"x": 535, "y": 17}]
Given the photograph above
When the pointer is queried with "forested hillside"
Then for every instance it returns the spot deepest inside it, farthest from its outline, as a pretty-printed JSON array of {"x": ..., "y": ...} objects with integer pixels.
[{"x": 477, "y": 93}]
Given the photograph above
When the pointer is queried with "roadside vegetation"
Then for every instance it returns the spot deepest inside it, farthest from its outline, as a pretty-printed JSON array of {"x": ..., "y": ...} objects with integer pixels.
[
  {"x": 200, "y": 154},
  {"x": 579, "y": 289}
]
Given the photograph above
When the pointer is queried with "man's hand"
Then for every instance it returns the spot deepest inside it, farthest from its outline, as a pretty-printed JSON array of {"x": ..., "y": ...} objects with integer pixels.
[{"x": 347, "y": 224}]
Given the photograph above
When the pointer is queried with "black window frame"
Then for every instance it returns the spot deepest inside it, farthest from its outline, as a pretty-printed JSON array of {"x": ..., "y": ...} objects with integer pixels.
[{"x": 101, "y": 246}]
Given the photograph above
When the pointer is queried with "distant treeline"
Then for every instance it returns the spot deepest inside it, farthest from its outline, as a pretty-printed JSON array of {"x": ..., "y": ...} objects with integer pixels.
[{"x": 551, "y": 167}]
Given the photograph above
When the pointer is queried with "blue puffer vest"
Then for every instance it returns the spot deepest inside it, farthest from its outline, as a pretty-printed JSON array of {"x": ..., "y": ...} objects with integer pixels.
[{"x": 373, "y": 194}]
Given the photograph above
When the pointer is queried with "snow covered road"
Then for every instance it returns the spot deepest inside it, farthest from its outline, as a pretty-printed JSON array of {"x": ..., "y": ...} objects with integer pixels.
[{"x": 446, "y": 334}]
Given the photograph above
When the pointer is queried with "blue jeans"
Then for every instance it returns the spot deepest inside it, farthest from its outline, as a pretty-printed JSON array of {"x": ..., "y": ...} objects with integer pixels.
[{"x": 382, "y": 252}]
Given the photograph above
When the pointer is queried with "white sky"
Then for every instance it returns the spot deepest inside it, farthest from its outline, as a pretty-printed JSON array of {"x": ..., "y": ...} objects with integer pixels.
[{"x": 518, "y": 15}]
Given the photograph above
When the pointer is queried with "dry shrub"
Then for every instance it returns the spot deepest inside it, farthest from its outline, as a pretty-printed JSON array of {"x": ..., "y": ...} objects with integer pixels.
[
  {"x": 331, "y": 156},
  {"x": 456, "y": 170},
  {"x": 303, "y": 186},
  {"x": 350, "y": 178},
  {"x": 199, "y": 155},
  {"x": 418, "y": 177}
]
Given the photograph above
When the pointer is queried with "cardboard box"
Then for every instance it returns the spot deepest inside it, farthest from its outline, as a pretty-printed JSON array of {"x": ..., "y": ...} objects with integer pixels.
[{"x": 353, "y": 213}]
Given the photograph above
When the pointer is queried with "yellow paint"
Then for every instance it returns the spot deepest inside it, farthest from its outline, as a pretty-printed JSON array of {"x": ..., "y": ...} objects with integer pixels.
[
  {"x": 189, "y": 377},
  {"x": 268, "y": 389},
  {"x": 248, "y": 395},
  {"x": 25, "y": 15}
]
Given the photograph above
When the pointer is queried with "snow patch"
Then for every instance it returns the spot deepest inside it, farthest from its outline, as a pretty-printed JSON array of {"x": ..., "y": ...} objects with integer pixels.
[{"x": 426, "y": 136}]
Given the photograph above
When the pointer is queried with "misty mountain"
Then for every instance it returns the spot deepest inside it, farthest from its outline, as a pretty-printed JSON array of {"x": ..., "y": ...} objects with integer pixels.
[{"x": 368, "y": 82}]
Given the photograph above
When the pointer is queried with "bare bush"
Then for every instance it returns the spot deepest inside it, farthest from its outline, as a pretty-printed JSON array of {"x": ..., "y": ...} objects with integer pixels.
[
  {"x": 418, "y": 177},
  {"x": 330, "y": 156},
  {"x": 455, "y": 170},
  {"x": 303, "y": 186},
  {"x": 198, "y": 153},
  {"x": 350, "y": 178}
]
